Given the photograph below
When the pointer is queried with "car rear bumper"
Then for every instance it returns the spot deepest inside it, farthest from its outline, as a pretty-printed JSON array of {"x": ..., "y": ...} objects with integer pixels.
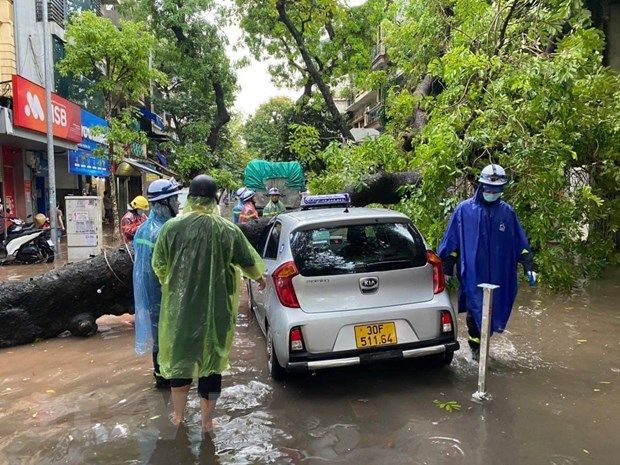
[{"x": 336, "y": 361}]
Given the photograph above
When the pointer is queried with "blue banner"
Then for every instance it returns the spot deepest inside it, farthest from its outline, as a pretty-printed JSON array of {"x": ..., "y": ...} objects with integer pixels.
[{"x": 83, "y": 160}]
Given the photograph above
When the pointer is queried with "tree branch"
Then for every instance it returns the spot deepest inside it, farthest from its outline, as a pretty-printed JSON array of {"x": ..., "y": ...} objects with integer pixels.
[
  {"x": 222, "y": 117},
  {"x": 312, "y": 69},
  {"x": 502, "y": 32}
]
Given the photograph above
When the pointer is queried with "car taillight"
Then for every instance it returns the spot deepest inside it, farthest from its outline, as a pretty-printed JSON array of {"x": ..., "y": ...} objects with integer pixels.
[
  {"x": 446, "y": 321},
  {"x": 439, "y": 280},
  {"x": 283, "y": 281},
  {"x": 297, "y": 340}
]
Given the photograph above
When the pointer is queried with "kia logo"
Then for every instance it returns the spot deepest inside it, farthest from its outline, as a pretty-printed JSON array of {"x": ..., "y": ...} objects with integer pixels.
[{"x": 369, "y": 284}]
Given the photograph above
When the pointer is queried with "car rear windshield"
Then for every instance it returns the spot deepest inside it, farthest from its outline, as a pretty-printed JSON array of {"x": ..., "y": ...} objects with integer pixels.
[{"x": 360, "y": 248}]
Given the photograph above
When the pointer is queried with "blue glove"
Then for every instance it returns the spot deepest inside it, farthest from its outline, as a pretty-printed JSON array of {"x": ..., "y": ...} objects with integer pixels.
[{"x": 531, "y": 278}]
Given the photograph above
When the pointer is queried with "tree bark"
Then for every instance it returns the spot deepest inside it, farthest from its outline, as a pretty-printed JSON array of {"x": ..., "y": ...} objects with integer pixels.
[
  {"x": 222, "y": 117},
  {"x": 314, "y": 72},
  {"x": 419, "y": 117},
  {"x": 74, "y": 296}
]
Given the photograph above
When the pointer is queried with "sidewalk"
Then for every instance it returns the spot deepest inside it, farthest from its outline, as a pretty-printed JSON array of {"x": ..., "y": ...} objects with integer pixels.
[{"x": 18, "y": 272}]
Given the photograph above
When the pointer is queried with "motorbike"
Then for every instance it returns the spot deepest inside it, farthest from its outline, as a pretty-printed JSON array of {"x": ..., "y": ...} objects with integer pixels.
[{"x": 26, "y": 243}]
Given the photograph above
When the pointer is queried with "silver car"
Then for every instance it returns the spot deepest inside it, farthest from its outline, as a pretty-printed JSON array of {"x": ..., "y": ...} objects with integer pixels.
[{"x": 350, "y": 287}]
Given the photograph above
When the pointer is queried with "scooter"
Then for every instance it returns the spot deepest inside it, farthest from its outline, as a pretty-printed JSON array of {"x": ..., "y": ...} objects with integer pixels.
[{"x": 24, "y": 243}]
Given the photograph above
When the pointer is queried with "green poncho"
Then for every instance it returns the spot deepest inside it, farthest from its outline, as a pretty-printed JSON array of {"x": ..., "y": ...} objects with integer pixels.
[
  {"x": 273, "y": 209},
  {"x": 197, "y": 259}
]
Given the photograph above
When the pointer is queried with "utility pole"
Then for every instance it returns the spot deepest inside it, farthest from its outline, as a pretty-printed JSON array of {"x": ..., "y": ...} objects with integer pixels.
[{"x": 49, "y": 119}]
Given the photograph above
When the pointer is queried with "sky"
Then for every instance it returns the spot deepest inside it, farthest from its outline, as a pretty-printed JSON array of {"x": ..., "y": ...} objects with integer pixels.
[{"x": 255, "y": 86}]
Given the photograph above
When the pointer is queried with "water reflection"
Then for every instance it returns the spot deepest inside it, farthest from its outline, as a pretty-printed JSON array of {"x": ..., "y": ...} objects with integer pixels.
[{"x": 554, "y": 378}]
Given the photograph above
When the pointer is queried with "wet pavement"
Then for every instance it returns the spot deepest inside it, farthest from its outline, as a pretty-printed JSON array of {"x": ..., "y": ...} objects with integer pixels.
[{"x": 554, "y": 380}]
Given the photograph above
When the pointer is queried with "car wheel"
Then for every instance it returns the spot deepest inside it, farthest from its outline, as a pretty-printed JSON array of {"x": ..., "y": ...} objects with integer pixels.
[
  {"x": 275, "y": 369},
  {"x": 442, "y": 359}
]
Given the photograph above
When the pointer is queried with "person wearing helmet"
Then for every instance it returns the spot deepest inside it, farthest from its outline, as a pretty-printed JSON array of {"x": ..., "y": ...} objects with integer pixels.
[
  {"x": 163, "y": 199},
  {"x": 198, "y": 259},
  {"x": 131, "y": 221},
  {"x": 239, "y": 206},
  {"x": 248, "y": 211},
  {"x": 485, "y": 241},
  {"x": 274, "y": 207}
]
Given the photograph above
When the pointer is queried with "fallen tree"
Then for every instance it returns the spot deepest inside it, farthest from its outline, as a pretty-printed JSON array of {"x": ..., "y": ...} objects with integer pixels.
[{"x": 72, "y": 297}]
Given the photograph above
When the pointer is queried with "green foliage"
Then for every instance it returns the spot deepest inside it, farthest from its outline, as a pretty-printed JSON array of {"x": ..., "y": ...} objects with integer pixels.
[
  {"x": 339, "y": 37},
  {"x": 304, "y": 141},
  {"x": 266, "y": 132},
  {"x": 449, "y": 406},
  {"x": 348, "y": 164},
  {"x": 121, "y": 135},
  {"x": 226, "y": 165},
  {"x": 191, "y": 49},
  {"x": 117, "y": 58},
  {"x": 522, "y": 86}
]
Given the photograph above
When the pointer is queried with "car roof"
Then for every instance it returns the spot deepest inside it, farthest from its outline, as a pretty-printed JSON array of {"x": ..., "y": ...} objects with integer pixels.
[{"x": 339, "y": 216}]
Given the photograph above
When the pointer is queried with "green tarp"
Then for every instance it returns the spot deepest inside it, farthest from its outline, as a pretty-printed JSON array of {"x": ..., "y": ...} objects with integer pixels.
[{"x": 258, "y": 172}]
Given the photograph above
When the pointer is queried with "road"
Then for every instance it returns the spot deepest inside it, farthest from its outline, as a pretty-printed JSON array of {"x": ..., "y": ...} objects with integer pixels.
[{"x": 554, "y": 380}]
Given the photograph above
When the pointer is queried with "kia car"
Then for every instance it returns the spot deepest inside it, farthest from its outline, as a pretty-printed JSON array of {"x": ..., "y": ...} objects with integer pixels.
[{"x": 350, "y": 286}]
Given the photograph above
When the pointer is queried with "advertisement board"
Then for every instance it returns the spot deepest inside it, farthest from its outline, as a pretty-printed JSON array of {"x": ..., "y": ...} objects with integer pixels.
[
  {"x": 83, "y": 160},
  {"x": 29, "y": 111}
]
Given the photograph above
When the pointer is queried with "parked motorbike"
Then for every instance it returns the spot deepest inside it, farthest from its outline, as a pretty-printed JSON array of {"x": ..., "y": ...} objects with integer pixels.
[{"x": 26, "y": 243}]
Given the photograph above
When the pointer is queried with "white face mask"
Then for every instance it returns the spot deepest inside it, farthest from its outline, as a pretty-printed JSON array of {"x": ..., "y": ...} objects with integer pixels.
[{"x": 491, "y": 197}]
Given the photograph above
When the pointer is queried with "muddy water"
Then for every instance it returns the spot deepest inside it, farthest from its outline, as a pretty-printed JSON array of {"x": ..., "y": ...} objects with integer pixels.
[{"x": 554, "y": 380}]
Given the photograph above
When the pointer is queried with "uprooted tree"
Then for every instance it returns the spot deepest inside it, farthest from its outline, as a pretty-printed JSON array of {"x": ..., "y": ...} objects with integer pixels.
[{"x": 71, "y": 298}]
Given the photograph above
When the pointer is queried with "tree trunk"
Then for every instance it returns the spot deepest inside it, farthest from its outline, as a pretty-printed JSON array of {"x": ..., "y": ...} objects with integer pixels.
[
  {"x": 222, "y": 117},
  {"x": 315, "y": 74},
  {"x": 74, "y": 296},
  {"x": 69, "y": 297}
]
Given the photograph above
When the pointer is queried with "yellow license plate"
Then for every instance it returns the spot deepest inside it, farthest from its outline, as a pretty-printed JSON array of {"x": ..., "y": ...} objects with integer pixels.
[{"x": 375, "y": 335}]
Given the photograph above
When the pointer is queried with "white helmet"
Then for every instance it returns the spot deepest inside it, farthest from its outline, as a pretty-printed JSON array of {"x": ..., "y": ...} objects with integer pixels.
[
  {"x": 162, "y": 189},
  {"x": 493, "y": 175},
  {"x": 247, "y": 195}
]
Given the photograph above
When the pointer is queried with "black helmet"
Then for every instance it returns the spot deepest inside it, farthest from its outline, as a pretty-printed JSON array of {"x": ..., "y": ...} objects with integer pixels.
[{"x": 203, "y": 186}]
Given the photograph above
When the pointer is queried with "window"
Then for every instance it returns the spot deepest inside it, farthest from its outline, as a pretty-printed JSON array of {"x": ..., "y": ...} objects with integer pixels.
[
  {"x": 76, "y": 6},
  {"x": 61, "y": 83},
  {"x": 271, "y": 251},
  {"x": 56, "y": 10},
  {"x": 363, "y": 248}
]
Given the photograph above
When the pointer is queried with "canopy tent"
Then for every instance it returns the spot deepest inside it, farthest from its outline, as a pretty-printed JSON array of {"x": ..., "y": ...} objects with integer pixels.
[{"x": 258, "y": 173}]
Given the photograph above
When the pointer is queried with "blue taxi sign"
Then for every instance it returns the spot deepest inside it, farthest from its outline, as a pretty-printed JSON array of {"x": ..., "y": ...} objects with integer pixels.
[{"x": 326, "y": 201}]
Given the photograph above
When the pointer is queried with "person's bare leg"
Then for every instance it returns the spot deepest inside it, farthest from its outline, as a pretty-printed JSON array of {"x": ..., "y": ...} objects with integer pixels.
[
  {"x": 179, "y": 401},
  {"x": 207, "y": 409}
]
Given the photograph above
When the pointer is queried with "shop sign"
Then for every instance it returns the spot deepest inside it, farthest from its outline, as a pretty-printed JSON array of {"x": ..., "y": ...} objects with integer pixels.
[
  {"x": 83, "y": 160},
  {"x": 29, "y": 111}
]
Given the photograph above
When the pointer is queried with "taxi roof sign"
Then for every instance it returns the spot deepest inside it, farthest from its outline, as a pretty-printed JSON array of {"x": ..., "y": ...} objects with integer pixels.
[{"x": 326, "y": 201}]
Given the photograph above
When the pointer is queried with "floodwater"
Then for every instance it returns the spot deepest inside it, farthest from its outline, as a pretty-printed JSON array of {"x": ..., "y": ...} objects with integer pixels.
[{"x": 554, "y": 380}]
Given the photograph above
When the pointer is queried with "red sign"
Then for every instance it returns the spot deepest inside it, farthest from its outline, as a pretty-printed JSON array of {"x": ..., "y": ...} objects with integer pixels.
[{"x": 29, "y": 111}]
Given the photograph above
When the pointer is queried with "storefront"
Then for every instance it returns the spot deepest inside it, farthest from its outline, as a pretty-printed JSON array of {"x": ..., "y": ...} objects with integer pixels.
[{"x": 23, "y": 159}]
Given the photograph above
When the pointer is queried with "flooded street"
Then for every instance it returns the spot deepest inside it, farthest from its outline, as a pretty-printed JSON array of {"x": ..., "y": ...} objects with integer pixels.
[{"x": 554, "y": 380}]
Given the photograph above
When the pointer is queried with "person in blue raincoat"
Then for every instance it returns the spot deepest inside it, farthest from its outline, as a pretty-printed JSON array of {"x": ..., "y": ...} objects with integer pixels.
[
  {"x": 485, "y": 241},
  {"x": 163, "y": 198},
  {"x": 239, "y": 206}
]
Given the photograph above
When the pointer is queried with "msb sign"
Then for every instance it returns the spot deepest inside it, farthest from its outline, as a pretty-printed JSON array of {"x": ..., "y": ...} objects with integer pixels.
[{"x": 29, "y": 111}]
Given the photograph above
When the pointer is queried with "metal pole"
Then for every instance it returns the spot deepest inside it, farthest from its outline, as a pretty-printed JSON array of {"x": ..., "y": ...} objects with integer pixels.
[
  {"x": 49, "y": 118},
  {"x": 485, "y": 333}
]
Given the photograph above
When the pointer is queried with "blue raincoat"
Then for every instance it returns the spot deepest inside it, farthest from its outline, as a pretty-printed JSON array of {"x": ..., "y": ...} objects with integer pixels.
[
  {"x": 489, "y": 242},
  {"x": 237, "y": 211},
  {"x": 146, "y": 286}
]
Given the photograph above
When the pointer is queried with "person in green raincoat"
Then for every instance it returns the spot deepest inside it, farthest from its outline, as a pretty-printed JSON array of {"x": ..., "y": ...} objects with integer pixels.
[
  {"x": 274, "y": 207},
  {"x": 198, "y": 258}
]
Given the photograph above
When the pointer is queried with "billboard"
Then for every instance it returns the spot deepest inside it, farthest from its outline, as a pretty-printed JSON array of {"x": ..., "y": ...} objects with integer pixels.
[
  {"x": 29, "y": 111},
  {"x": 83, "y": 160}
]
